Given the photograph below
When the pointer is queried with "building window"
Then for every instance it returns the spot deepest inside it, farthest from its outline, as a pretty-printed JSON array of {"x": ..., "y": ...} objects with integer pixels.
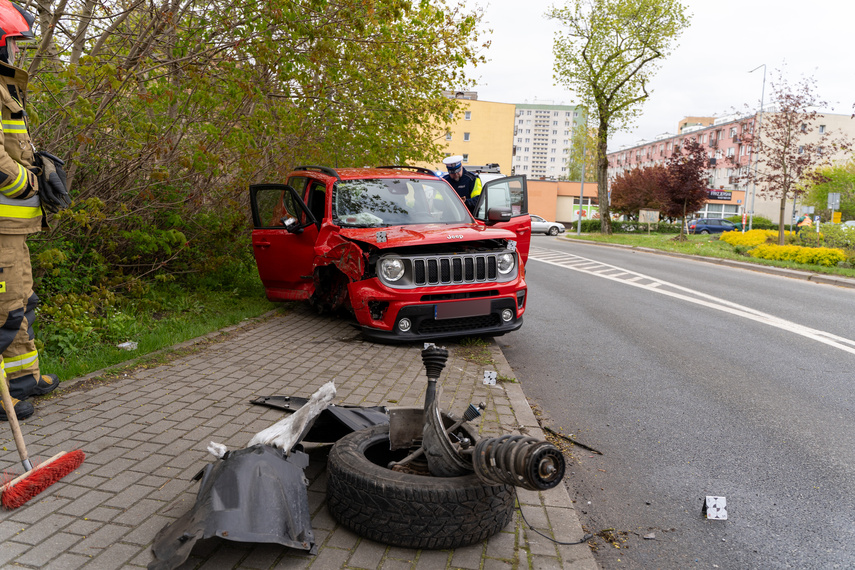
[
  {"x": 551, "y": 160},
  {"x": 519, "y": 139},
  {"x": 467, "y": 115},
  {"x": 465, "y": 136},
  {"x": 822, "y": 129},
  {"x": 554, "y": 132},
  {"x": 465, "y": 158},
  {"x": 528, "y": 112},
  {"x": 804, "y": 127},
  {"x": 448, "y": 136},
  {"x": 520, "y": 122},
  {"x": 730, "y": 152},
  {"x": 801, "y": 150}
]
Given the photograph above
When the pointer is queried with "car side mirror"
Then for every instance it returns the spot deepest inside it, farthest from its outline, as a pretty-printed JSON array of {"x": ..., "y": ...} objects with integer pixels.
[
  {"x": 292, "y": 226},
  {"x": 499, "y": 215}
]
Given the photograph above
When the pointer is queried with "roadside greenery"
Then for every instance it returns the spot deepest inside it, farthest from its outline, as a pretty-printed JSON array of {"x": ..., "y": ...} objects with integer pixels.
[{"x": 166, "y": 113}]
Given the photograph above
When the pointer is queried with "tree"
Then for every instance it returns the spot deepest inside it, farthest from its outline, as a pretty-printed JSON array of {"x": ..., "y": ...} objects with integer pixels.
[
  {"x": 166, "y": 111},
  {"x": 583, "y": 146},
  {"x": 683, "y": 188},
  {"x": 607, "y": 54},
  {"x": 836, "y": 178},
  {"x": 786, "y": 150},
  {"x": 636, "y": 189}
]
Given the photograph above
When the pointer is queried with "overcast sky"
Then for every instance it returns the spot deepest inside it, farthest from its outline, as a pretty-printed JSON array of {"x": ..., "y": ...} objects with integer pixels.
[{"x": 706, "y": 75}]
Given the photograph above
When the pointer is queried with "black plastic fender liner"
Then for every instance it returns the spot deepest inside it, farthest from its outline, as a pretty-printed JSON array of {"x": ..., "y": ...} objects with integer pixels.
[
  {"x": 408, "y": 510},
  {"x": 255, "y": 494}
]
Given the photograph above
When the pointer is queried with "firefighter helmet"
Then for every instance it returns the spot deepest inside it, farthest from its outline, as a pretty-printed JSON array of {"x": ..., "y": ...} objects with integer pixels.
[{"x": 15, "y": 22}]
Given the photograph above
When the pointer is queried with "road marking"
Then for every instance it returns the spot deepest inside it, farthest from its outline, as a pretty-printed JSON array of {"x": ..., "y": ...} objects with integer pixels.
[{"x": 655, "y": 285}]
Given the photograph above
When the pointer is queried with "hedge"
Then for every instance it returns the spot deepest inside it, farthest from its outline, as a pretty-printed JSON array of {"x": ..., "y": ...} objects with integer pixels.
[{"x": 808, "y": 255}]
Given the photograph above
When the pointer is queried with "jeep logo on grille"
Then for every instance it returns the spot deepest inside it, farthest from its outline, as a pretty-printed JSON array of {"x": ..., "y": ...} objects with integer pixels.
[{"x": 455, "y": 236}]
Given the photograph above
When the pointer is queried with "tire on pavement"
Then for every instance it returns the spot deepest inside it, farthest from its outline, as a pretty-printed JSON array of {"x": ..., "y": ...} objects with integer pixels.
[
  {"x": 553, "y": 231},
  {"x": 405, "y": 509}
]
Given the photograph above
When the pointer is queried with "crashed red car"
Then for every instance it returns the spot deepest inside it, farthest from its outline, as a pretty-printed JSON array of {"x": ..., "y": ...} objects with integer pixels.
[{"x": 397, "y": 248}]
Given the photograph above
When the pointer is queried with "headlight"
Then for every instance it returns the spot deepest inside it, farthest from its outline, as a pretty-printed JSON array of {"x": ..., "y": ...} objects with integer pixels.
[
  {"x": 391, "y": 268},
  {"x": 505, "y": 262}
]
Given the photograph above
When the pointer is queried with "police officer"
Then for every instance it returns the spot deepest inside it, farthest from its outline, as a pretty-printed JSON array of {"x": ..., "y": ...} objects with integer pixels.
[
  {"x": 20, "y": 214},
  {"x": 466, "y": 184}
]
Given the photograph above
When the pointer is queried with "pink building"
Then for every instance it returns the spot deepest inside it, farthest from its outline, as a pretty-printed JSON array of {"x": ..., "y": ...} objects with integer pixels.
[{"x": 725, "y": 146}]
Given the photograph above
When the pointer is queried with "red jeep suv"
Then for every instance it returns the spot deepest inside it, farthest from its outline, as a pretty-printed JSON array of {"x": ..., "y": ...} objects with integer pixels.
[{"x": 397, "y": 248}]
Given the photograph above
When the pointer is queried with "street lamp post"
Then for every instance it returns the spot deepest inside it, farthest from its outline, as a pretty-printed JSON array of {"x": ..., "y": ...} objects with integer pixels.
[
  {"x": 582, "y": 186},
  {"x": 759, "y": 117}
]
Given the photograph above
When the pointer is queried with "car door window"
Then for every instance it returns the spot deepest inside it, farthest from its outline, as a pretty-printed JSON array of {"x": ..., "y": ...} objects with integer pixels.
[{"x": 507, "y": 193}]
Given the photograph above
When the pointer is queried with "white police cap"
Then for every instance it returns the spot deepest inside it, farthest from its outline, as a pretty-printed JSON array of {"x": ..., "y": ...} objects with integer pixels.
[{"x": 453, "y": 163}]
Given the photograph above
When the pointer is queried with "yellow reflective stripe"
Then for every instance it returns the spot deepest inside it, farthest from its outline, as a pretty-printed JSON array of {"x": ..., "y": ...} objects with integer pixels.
[
  {"x": 476, "y": 191},
  {"x": 16, "y": 185},
  {"x": 20, "y": 362},
  {"x": 22, "y": 212},
  {"x": 14, "y": 126}
]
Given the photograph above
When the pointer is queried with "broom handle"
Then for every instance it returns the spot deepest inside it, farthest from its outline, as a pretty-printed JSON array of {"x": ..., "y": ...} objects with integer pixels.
[{"x": 13, "y": 421}]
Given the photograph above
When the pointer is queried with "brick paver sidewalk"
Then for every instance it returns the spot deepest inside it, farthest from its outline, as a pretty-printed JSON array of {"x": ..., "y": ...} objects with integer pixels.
[{"x": 145, "y": 436}]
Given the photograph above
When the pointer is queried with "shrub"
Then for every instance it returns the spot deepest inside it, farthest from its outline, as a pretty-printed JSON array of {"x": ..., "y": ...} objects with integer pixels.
[
  {"x": 757, "y": 223},
  {"x": 751, "y": 238},
  {"x": 808, "y": 255}
]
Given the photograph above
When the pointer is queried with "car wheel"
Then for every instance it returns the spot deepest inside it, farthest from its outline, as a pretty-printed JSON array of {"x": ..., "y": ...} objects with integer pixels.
[
  {"x": 704, "y": 232},
  {"x": 553, "y": 231},
  {"x": 406, "y": 509}
]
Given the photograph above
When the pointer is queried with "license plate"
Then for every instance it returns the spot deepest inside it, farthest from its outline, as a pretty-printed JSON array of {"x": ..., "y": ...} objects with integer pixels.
[{"x": 458, "y": 309}]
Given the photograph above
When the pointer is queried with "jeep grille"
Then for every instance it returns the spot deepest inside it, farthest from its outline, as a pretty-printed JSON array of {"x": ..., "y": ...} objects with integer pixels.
[{"x": 458, "y": 269}]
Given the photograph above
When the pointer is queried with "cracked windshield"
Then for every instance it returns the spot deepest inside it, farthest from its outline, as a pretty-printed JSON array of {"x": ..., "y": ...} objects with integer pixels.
[{"x": 396, "y": 202}]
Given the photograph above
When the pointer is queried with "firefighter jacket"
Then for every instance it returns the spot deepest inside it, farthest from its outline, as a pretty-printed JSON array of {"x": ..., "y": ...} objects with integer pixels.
[{"x": 20, "y": 209}]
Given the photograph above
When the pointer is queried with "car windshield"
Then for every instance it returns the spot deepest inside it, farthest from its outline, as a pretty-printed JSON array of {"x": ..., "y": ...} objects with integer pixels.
[{"x": 381, "y": 202}]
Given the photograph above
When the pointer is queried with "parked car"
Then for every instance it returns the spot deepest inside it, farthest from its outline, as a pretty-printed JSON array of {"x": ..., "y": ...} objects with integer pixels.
[
  {"x": 849, "y": 224},
  {"x": 397, "y": 248},
  {"x": 710, "y": 226},
  {"x": 540, "y": 225}
]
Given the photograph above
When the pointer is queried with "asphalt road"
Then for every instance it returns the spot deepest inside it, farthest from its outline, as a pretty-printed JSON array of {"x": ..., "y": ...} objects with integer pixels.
[{"x": 695, "y": 380}]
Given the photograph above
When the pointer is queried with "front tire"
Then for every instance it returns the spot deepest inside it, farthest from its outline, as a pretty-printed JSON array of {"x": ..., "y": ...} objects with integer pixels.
[
  {"x": 553, "y": 231},
  {"x": 704, "y": 232},
  {"x": 408, "y": 510}
]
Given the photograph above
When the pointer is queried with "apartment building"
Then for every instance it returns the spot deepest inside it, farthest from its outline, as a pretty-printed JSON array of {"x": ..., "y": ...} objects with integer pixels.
[
  {"x": 730, "y": 158},
  {"x": 542, "y": 138},
  {"x": 482, "y": 132}
]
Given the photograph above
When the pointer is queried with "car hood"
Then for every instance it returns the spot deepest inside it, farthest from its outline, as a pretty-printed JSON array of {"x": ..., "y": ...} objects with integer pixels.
[{"x": 429, "y": 234}]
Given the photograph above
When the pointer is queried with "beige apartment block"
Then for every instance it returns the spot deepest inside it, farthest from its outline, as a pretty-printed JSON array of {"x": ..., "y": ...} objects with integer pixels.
[{"x": 482, "y": 133}]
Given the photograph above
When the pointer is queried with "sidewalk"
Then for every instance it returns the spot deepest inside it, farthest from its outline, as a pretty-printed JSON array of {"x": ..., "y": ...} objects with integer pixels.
[{"x": 145, "y": 436}]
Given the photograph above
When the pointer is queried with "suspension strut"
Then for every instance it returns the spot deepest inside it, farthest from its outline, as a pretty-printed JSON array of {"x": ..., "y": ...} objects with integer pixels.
[{"x": 518, "y": 460}]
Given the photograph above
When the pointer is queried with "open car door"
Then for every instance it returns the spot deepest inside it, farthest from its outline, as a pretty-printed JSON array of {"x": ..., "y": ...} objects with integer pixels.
[
  {"x": 283, "y": 241},
  {"x": 509, "y": 194}
]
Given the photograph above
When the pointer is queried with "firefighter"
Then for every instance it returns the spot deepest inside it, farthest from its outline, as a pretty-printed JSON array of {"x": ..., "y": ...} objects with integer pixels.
[
  {"x": 20, "y": 214},
  {"x": 466, "y": 184}
]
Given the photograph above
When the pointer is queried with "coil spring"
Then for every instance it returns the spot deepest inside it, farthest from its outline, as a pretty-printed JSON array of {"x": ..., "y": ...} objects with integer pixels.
[{"x": 518, "y": 460}]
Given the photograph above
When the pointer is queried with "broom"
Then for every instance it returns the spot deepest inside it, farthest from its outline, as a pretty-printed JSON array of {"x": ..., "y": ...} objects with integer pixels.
[{"x": 23, "y": 488}]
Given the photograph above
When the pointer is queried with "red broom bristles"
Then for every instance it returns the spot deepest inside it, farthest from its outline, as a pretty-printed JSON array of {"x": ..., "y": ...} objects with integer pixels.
[{"x": 40, "y": 478}]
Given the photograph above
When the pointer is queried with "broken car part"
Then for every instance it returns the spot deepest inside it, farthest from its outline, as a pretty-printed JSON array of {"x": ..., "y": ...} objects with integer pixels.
[{"x": 255, "y": 494}]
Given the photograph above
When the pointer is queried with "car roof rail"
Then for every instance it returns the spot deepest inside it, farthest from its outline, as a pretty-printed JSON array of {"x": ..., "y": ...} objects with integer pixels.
[
  {"x": 407, "y": 167},
  {"x": 325, "y": 169}
]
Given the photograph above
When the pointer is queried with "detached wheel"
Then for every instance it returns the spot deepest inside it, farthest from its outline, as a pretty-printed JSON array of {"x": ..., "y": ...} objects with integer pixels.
[
  {"x": 553, "y": 231},
  {"x": 408, "y": 510}
]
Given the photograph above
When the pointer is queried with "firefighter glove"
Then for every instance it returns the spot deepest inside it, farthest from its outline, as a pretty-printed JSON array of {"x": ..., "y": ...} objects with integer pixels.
[{"x": 53, "y": 190}]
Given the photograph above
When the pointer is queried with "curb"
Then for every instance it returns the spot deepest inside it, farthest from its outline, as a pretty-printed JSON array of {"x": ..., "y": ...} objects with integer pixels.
[{"x": 823, "y": 278}]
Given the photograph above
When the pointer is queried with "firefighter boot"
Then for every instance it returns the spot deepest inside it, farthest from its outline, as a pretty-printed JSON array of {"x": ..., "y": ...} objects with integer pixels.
[
  {"x": 47, "y": 383},
  {"x": 23, "y": 409}
]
